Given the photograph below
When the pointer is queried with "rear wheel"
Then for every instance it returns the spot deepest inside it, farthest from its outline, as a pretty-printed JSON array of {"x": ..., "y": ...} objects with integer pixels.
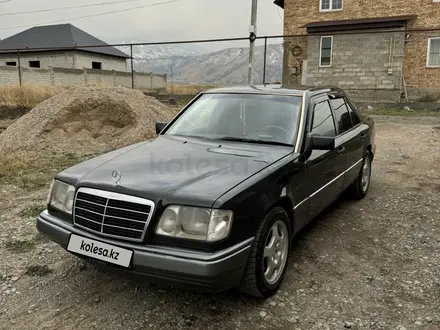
[
  {"x": 359, "y": 188},
  {"x": 269, "y": 256}
]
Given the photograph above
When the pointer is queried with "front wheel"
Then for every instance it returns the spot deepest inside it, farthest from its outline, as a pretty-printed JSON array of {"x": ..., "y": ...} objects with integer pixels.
[{"x": 269, "y": 256}]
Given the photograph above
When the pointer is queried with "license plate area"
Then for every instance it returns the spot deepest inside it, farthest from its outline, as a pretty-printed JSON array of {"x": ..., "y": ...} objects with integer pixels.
[{"x": 97, "y": 250}]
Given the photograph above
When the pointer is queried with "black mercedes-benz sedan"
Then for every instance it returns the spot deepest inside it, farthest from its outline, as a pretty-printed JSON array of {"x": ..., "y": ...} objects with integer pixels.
[{"x": 214, "y": 201}]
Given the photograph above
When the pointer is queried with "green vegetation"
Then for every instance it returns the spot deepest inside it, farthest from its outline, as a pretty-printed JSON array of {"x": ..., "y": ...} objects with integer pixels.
[
  {"x": 32, "y": 170},
  {"x": 401, "y": 112}
]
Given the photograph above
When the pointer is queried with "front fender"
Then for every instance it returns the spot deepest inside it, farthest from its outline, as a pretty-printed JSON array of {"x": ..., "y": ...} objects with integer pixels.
[{"x": 253, "y": 198}]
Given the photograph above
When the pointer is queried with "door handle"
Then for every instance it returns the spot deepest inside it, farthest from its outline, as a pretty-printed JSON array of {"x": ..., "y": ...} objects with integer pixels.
[
  {"x": 363, "y": 136},
  {"x": 341, "y": 149}
]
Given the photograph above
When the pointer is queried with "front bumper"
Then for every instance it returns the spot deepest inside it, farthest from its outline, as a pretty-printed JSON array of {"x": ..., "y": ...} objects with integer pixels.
[{"x": 217, "y": 271}]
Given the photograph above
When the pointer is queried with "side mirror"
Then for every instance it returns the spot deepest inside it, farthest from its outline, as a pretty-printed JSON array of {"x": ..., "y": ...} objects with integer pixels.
[
  {"x": 160, "y": 127},
  {"x": 322, "y": 142}
]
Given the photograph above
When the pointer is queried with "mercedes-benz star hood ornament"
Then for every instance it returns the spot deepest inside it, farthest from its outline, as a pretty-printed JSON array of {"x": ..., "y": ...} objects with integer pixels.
[{"x": 116, "y": 175}]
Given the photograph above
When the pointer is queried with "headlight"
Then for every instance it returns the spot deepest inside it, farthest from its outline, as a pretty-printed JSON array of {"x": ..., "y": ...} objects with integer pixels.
[
  {"x": 195, "y": 223},
  {"x": 61, "y": 196}
]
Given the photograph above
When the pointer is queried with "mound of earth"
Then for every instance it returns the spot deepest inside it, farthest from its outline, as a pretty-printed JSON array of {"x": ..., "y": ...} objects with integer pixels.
[{"x": 87, "y": 120}]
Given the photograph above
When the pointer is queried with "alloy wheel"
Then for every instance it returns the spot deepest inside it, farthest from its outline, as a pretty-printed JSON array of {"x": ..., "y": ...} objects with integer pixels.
[
  {"x": 275, "y": 252},
  {"x": 366, "y": 174}
]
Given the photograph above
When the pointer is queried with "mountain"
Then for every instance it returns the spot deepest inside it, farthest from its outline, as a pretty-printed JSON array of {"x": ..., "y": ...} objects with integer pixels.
[
  {"x": 158, "y": 52},
  {"x": 227, "y": 66}
]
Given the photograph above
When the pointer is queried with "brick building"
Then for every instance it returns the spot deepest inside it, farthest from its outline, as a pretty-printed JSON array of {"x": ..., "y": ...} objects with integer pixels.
[
  {"x": 370, "y": 48},
  {"x": 65, "y": 36}
]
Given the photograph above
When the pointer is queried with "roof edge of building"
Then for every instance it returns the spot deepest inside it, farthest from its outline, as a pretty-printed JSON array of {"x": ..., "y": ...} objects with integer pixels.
[
  {"x": 360, "y": 21},
  {"x": 47, "y": 50}
]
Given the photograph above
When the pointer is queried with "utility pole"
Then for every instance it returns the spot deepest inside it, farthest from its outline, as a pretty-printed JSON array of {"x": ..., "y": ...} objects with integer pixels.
[
  {"x": 172, "y": 83},
  {"x": 252, "y": 38}
]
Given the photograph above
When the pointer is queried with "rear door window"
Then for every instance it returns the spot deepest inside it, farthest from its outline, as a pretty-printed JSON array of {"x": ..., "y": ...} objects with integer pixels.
[
  {"x": 323, "y": 123},
  {"x": 342, "y": 115},
  {"x": 353, "y": 115}
]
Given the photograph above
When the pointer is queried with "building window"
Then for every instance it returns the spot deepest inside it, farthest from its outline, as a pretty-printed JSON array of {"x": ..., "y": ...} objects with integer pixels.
[
  {"x": 34, "y": 64},
  {"x": 433, "y": 53},
  {"x": 329, "y": 5},
  {"x": 11, "y": 63},
  {"x": 97, "y": 65},
  {"x": 326, "y": 52}
]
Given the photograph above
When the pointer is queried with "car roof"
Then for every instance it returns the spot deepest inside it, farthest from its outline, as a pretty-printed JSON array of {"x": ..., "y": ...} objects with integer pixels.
[{"x": 273, "y": 89}]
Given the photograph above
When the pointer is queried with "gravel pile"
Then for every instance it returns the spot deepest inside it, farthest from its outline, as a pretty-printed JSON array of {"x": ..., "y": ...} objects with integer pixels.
[{"x": 87, "y": 119}]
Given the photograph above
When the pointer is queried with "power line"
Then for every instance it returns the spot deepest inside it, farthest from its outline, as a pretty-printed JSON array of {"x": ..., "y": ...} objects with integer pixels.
[
  {"x": 65, "y": 8},
  {"x": 200, "y": 41},
  {"x": 93, "y": 15},
  {"x": 5, "y": 1},
  {"x": 179, "y": 57}
]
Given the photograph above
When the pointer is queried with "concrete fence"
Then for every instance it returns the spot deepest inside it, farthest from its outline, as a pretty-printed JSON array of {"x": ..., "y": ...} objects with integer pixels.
[{"x": 85, "y": 77}]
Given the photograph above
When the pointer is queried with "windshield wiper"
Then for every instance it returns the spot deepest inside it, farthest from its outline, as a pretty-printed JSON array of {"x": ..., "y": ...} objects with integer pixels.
[{"x": 238, "y": 139}]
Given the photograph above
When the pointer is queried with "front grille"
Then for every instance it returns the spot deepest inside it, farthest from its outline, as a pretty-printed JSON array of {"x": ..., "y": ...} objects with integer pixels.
[{"x": 111, "y": 214}]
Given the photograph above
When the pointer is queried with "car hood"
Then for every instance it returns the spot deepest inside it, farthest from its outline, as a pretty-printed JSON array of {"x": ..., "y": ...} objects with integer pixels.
[{"x": 175, "y": 169}]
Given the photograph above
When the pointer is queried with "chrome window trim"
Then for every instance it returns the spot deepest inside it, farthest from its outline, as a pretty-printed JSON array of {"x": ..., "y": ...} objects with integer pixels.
[
  {"x": 115, "y": 196},
  {"x": 301, "y": 129},
  {"x": 327, "y": 184}
]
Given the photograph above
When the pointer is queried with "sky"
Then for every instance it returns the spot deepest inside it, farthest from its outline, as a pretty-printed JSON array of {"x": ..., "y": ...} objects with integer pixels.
[{"x": 178, "y": 20}]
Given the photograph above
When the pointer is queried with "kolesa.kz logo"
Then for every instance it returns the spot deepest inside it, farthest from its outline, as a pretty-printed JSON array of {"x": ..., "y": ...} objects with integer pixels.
[{"x": 99, "y": 251}]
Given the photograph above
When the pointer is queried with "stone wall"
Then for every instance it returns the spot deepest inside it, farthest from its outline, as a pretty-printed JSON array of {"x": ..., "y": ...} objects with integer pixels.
[
  {"x": 9, "y": 76},
  {"x": 295, "y": 52},
  {"x": 417, "y": 74},
  {"x": 52, "y": 59},
  {"x": 424, "y": 94},
  {"x": 360, "y": 71},
  {"x": 85, "y": 59},
  {"x": 65, "y": 77},
  {"x": 82, "y": 77},
  {"x": 66, "y": 59}
]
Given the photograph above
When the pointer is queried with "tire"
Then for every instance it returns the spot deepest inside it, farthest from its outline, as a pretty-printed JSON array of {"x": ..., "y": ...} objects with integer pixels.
[
  {"x": 254, "y": 282},
  {"x": 358, "y": 190}
]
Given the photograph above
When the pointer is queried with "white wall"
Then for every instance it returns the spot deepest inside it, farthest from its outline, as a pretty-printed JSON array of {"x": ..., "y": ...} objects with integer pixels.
[
  {"x": 84, "y": 60},
  {"x": 54, "y": 59},
  {"x": 66, "y": 59},
  {"x": 82, "y": 77}
]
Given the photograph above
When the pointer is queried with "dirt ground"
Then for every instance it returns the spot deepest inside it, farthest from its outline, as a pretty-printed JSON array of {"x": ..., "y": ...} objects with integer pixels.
[{"x": 373, "y": 264}]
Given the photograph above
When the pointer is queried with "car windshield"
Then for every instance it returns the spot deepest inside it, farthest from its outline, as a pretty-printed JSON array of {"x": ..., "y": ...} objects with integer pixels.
[{"x": 255, "y": 118}]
